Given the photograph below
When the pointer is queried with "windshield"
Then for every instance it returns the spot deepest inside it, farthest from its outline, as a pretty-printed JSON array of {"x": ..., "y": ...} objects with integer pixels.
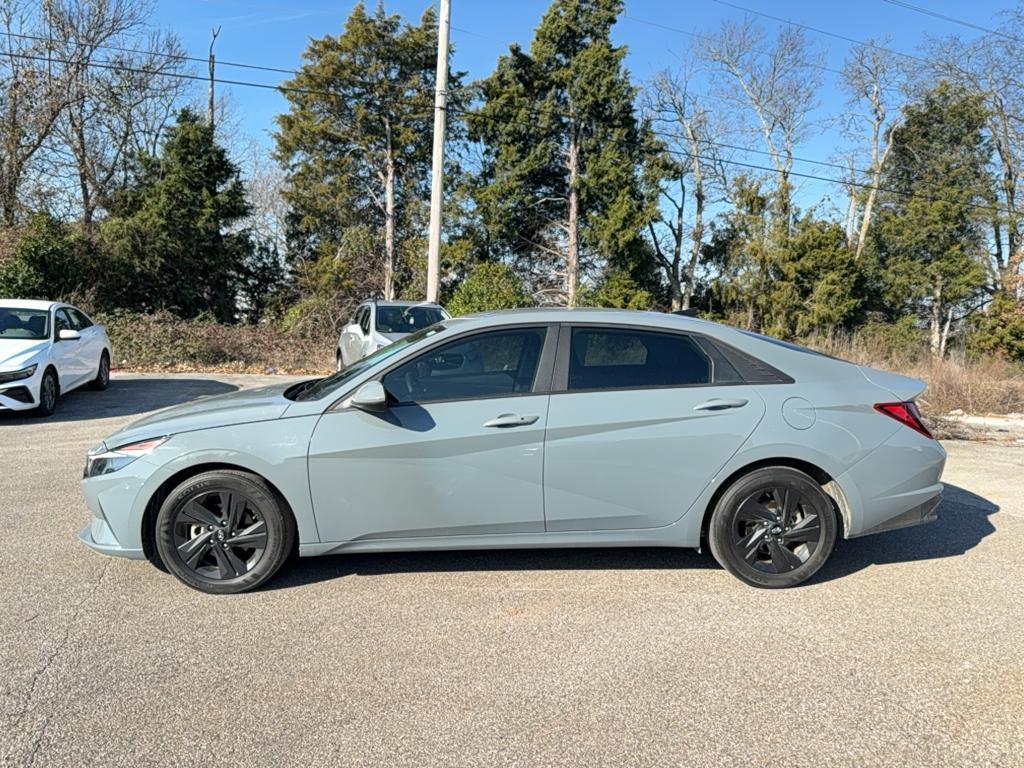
[
  {"x": 407, "y": 319},
  {"x": 331, "y": 383},
  {"x": 16, "y": 323}
]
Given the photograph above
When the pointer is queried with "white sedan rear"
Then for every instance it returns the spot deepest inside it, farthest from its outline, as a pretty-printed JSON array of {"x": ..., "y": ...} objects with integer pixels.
[{"x": 47, "y": 349}]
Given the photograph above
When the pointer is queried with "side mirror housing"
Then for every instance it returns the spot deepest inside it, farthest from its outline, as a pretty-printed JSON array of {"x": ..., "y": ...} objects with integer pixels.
[
  {"x": 68, "y": 335},
  {"x": 370, "y": 397}
]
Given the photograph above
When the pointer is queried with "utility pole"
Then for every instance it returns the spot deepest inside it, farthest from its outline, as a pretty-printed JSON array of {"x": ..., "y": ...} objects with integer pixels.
[
  {"x": 437, "y": 169},
  {"x": 213, "y": 39}
]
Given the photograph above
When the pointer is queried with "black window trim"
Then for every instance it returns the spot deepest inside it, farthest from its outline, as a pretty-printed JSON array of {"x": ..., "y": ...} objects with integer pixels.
[
  {"x": 541, "y": 382},
  {"x": 560, "y": 375}
]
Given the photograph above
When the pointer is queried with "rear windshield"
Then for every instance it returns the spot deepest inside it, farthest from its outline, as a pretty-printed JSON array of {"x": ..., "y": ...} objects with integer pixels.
[
  {"x": 18, "y": 323},
  {"x": 407, "y": 319}
]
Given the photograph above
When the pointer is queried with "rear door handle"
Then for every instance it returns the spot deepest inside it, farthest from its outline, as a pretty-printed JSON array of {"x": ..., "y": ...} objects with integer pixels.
[
  {"x": 511, "y": 420},
  {"x": 720, "y": 404}
]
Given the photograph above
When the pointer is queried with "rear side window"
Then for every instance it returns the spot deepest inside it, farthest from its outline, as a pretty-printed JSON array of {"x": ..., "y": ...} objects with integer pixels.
[{"x": 603, "y": 358}]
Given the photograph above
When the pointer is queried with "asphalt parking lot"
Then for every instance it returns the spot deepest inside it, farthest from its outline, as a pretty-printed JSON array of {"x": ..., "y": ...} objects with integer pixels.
[{"x": 908, "y": 649}]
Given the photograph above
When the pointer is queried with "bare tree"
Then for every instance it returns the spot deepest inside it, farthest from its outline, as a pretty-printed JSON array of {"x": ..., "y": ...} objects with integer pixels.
[
  {"x": 775, "y": 81},
  {"x": 49, "y": 47},
  {"x": 871, "y": 77},
  {"x": 119, "y": 111},
  {"x": 690, "y": 169}
]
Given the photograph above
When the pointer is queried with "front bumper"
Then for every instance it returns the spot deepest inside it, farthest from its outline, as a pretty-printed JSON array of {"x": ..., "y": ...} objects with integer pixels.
[
  {"x": 117, "y": 502},
  {"x": 14, "y": 393}
]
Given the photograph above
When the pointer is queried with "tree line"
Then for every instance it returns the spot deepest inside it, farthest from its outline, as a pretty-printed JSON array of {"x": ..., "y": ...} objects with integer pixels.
[{"x": 567, "y": 182}]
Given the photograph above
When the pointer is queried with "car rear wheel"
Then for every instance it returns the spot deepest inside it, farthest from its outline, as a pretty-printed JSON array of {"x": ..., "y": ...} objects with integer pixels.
[
  {"x": 102, "y": 380},
  {"x": 772, "y": 528},
  {"x": 224, "y": 532},
  {"x": 49, "y": 391}
]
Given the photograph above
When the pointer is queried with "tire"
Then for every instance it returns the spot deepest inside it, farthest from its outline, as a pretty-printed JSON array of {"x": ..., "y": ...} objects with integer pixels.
[
  {"x": 339, "y": 361},
  {"x": 773, "y": 528},
  {"x": 49, "y": 392},
  {"x": 201, "y": 517},
  {"x": 102, "y": 380}
]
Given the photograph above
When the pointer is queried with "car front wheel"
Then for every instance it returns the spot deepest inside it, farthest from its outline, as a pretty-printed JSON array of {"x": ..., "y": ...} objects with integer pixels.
[
  {"x": 772, "y": 528},
  {"x": 224, "y": 532},
  {"x": 49, "y": 391}
]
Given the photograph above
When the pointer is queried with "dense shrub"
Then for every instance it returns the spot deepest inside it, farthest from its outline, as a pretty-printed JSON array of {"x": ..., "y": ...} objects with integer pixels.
[
  {"x": 490, "y": 286},
  {"x": 163, "y": 342}
]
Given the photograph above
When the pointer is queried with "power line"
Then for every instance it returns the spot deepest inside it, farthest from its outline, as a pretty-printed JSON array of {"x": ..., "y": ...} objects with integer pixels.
[
  {"x": 705, "y": 38},
  {"x": 162, "y": 54},
  {"x": 819, "y": 31},
  {"x": 953, "y": 20},
  {"x": 108, "y": 65},
  {"x": 768, "y": 169},
  {"x": 429, "y": 110}
]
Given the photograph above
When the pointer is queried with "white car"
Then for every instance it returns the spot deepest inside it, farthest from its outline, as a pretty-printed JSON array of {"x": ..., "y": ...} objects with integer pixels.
[
  {"x": 47, "y": 349},
  {"x": 376, "y": 324}
]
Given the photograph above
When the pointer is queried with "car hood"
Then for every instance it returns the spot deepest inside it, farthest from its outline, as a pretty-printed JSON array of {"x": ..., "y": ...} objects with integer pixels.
[
  {"x": 17, "y": 353},
  {"x": 242, "y": 407}
]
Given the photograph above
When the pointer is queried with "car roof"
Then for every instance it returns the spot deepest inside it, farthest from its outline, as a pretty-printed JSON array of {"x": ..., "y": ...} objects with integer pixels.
[
  {"x": 29, "y": 304},
  {"x": 382, "y": 303},
  {"x": 586, "y": 315}
]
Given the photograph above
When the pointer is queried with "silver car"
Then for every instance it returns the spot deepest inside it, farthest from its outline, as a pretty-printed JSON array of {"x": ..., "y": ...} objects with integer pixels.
[{"x": 532, "y": 428}]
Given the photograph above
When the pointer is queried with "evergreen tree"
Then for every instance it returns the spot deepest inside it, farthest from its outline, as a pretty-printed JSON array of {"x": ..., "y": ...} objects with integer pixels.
[
  {"x": 929, "y": 236},
  {"x": 560, "y": 188},
  {"x": 169, "y": 242},
  {"x": 356, "y": 144}
]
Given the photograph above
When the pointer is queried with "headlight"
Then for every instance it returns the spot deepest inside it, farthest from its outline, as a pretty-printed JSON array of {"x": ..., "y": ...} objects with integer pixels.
[
  {"x": 104, "y": 461},
  {"x": 24, "y": 373}
]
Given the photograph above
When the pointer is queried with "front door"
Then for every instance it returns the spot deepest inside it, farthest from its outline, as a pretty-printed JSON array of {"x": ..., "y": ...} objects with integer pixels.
[
  {"x": 644, "y": 423},
  {"x": 459, "y": 451},
  {"x": 69, "y": 354}
]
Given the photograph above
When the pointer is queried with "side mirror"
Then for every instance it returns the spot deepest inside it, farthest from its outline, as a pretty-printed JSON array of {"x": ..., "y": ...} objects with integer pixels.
[
  {"x": 68, "y": 335},
  {"x": 370, "y": 397}
]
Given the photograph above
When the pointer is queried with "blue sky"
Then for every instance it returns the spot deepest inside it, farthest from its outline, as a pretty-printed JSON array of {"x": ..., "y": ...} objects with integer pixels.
[{"x": 274, "y": 33}]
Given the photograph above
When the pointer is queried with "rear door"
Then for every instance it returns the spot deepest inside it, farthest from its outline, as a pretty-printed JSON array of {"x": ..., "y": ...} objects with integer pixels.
[
  {"x": 640, "y": 421},
  {"x": 459, "y": 451}
]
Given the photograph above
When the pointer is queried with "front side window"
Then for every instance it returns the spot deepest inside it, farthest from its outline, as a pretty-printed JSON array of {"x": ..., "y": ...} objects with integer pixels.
[
  {"x": 62, "y": 322},
  {"x": 493, "y": 364},
  {"x": 604, "y": 358},
  {"x": 16, "y": 323},
  {"x": 80, "y": 320}
]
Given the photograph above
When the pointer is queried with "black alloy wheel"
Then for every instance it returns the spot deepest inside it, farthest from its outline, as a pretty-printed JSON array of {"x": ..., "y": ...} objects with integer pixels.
[
  {"x": 224, "y": 531},
  {"x": 773, "y": 528}
]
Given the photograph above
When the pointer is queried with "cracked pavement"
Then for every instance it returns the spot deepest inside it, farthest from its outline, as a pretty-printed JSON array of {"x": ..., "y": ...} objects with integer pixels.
[{"x": 906, "y": 650}]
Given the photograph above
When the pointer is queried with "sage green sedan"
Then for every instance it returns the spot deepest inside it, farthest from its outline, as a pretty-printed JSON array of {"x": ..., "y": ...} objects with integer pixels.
[{"x": 533, "y": 428}]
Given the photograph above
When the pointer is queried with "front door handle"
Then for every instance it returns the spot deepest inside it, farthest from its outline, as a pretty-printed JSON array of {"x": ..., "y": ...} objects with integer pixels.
[
  {"x": 720, "y": 404},
  {"x": 511, "y": 420}
]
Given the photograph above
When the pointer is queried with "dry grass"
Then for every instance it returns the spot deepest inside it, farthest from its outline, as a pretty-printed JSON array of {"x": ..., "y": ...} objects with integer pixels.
[{"x": 988, "y": 385}]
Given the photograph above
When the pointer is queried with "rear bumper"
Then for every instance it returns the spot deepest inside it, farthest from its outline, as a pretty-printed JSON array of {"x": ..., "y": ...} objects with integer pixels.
[
  {"x": 896, "y": 486},
  {"x": 925, "y": 512}
]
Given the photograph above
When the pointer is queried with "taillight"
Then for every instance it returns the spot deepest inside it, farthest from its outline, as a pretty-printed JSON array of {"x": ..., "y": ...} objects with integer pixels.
[{"x": 906, "y": 414}]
